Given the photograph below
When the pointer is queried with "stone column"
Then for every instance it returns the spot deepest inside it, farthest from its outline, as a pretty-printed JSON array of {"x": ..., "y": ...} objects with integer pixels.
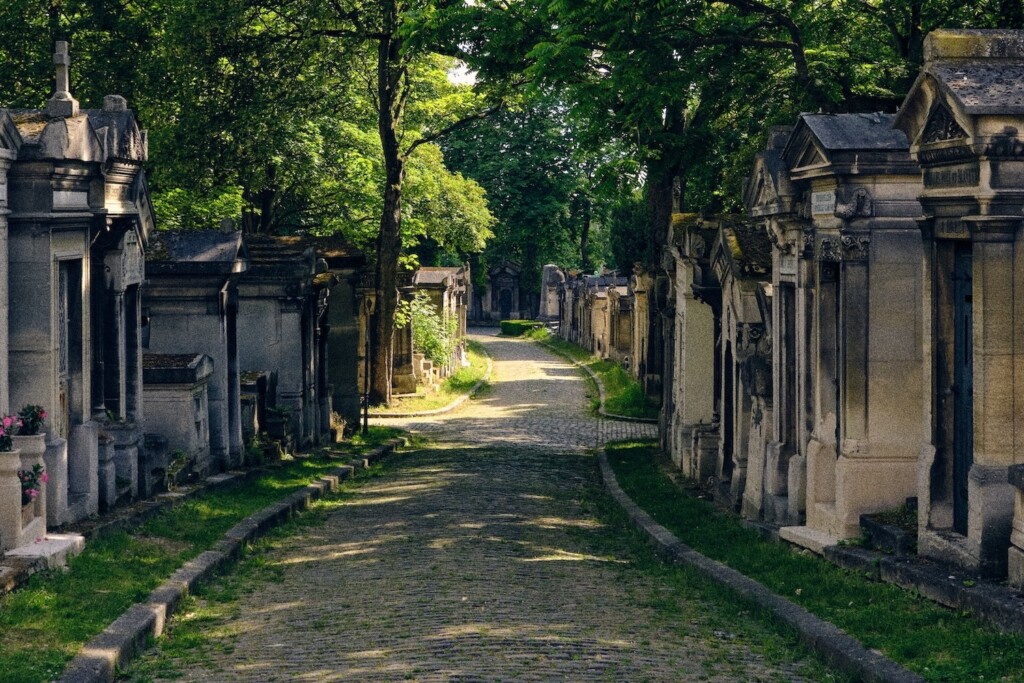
[{"x": 5, "y": 399}]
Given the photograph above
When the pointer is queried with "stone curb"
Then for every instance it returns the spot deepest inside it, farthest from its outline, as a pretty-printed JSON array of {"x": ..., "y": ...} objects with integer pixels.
[
  {"x": 600, "y": 389},
  {"x": 833, "y": 644},
  {"x": 102, "y": 657},
  {"x": 451, "y": 406}
]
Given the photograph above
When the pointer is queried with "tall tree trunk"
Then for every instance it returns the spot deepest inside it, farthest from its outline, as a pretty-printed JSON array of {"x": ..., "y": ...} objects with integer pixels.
[
  {"x": 585, "y": 235},
  {"x": 390, "y": 71}
]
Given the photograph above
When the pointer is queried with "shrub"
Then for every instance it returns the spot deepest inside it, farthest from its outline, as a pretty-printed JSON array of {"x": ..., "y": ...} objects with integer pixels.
[{"x": 517, "y": 328}]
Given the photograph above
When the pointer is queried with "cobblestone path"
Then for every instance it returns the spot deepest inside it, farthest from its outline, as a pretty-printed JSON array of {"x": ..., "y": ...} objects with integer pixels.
[
  {"x": 539, "y": 400},
  {"x": 480, "y": 558}
]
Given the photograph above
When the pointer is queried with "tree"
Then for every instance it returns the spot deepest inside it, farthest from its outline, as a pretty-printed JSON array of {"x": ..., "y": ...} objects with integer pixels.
[{"x": 414, "y": 107}]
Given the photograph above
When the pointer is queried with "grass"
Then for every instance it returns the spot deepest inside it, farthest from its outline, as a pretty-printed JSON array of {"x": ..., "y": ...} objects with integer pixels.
[
  {"x": 623, "y": 394},
  {"x": 938, "y": 643},
  {"x": 45, "y": 624},
  {"x": 453, "y": 388}
]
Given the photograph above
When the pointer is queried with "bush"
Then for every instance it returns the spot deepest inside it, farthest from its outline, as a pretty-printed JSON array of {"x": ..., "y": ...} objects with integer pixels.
[{"x": 517, "y": 328}]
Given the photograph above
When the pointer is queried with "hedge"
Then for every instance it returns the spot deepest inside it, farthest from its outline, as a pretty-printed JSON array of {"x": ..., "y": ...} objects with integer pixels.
[{"x": 517, "y": 328}]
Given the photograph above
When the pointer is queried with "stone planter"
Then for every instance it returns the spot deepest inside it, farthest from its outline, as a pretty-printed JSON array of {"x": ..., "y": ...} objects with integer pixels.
[
  {"x": 33, "y": 448},
  {"x": 10, "y": 500},
  {"x": 28, "y": 513}
]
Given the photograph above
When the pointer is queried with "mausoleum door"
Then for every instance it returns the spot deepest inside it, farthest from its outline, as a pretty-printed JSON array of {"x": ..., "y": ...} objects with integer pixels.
[
  {"x": 69, "y": 345},
  {"x": 63, "y": 351},
  {"x": 963, "y": 383},
  {"x": 505, "y": 299}
]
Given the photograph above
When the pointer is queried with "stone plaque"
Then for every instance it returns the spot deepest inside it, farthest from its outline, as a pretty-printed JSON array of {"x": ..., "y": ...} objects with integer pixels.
[
  {"x": 1007, "y": 174},
  {"x": 962, "y": 175},
  {"x": 125, "y": 266},
  {"x": 951, "y": 229},
  {"x": 3, "y": 193},
  {"x": 70, "y": 199},
  {"x": 132, "y": 269},
  {"x": 823, "y": 202},
  {"x": 787, "y": 264}
]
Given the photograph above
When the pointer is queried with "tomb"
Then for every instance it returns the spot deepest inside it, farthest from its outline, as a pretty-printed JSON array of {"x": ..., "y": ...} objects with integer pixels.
[
  {"x": 347, "y": 265},
  {"x": 857, "y": 190},
  {"x": 77, "y": 229},
  {"x": 741, "y": 261},
  {"x": 191, "y": 307},
  {"x": 176, "y": 397},
  {"x": 551, "y": 279},
  {"x": 620, "y": 324},
  {"x": 691, "y": 431},
  {"x": 964, "y": 118},
  {"x": 771, "y": 199},
  {"x": 447, "y": 289},
  {"x": 282, "y": 304},
  {"x": 500, "y": 300}
]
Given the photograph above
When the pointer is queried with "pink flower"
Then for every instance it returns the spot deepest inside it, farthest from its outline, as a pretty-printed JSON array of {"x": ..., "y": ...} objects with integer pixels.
[
  {"x": 8, "y": 420},
  {"x": 42, "y": 414},
  {"x": 44, "y": 477},
  {"x": 32, "y": 493}
]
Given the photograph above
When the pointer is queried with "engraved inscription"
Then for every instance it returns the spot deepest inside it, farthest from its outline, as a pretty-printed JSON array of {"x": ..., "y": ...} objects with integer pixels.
[
  {"x": 951, "y": 229},
  {"x": 70, "y": 199},
  {"x": 952, "y": 176},
  {"x": 823, "y": 202}
]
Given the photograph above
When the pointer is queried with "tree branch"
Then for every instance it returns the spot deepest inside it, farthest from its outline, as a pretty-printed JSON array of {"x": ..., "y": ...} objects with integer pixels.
[{"x": 452, "y": 127}]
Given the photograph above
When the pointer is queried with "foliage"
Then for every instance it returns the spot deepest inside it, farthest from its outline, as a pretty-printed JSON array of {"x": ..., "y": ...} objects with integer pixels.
[
  {"x": 31, "y": 419},
  {"x": 517, "y": 328},
  {"x": 31, "y": 482},
  {"x": 434, "y": 334},
  {"x": 9, "y": 426},
  {"x": 461, "y": 382}
]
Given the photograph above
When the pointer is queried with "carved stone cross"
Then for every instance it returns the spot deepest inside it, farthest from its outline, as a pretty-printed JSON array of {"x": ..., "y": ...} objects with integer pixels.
[
  {"x": 63, "y": 61},
  {"x": 62, "y": 104}
]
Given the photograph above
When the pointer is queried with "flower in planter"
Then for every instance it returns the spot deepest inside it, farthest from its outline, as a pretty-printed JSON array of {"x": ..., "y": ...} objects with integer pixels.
[
  {"x": 9, "y": 426},
  {"x": 31, "y": 482},
  {"x": 32, "y": 418}
]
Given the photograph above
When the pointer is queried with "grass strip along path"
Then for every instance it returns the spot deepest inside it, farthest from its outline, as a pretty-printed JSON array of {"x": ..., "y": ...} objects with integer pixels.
[
  {"x": 460, "y": 383},
  {"x": 623, "y": 395},
  {"x": 43, "y": 625},
  {"x": 938, "y": 643}
]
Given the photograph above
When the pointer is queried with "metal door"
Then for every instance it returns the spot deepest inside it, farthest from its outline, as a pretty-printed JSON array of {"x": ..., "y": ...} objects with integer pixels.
[{"x": 963, "y": 383}]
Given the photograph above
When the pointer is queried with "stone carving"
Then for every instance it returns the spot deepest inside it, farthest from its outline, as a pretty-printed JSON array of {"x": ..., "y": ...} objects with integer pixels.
[
  {"x": 754, "y": 353},
  {"x": 829, "y": 250},
  {"x": 855, "y": 247},
  {"x": 859, "y": 205},
  {"x": 808, "y": 250},
  {"x": 1006, "y": 145},
  {"x": 942, "y": 126}
]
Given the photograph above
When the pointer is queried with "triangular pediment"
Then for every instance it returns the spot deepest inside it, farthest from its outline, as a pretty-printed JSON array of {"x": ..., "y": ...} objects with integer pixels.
[
  {"x": 803, "y": 150},
  {"x": 811, "y": 156},
  {"x": 942, "y": 125},
  {"x": 10, "y": 138}
]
